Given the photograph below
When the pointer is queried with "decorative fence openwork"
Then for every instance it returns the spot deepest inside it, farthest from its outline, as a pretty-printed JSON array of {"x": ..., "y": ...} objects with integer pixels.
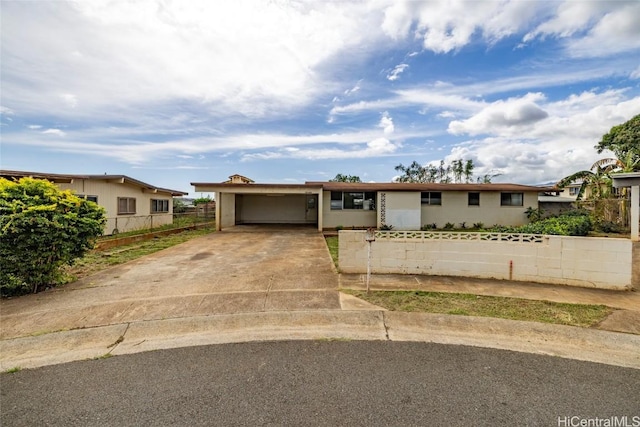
[{"x": 435, "y": 235}]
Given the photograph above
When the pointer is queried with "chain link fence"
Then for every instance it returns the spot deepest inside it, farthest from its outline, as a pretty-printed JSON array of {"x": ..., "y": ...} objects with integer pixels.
[{"x": 136, "y": 224}]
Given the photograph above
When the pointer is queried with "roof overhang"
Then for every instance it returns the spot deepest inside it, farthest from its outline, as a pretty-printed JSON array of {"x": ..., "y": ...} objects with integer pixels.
[
  {"x": 630, "y": 179},
  {"x": 269, "y": 189}
]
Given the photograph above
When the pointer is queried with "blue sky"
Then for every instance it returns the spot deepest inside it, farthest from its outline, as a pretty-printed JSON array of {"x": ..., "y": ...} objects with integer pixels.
[{"x": 173, "y": 92}]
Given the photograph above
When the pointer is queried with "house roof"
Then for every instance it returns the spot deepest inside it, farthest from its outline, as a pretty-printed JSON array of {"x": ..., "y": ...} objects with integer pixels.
[
  {"x": 69, "y": 178},
  {"x": 410, "y": 186},
  {"x": 371, "y": 186}
]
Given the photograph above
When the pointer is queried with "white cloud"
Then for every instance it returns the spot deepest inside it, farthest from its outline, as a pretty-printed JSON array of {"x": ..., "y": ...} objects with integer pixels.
[
  {"x": 235, "y": 56},
  {"x": 446, "y": 26},
  {"x": 70, "y": 100},
  {"x": 34, "y": 127},
  {"x": 54, "y": 132},
  {"x": 635, "y": 74},
  {"x": 593, "y": 28},
  {"x": 386, "y": 123},
  {"x": 395, "y": 73},
  {"x": 550, "y": 149},
  {"x": 512, "y": 115}
]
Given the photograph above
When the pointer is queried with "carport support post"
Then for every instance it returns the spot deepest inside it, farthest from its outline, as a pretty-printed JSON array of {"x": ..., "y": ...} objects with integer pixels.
[
  {"x": 635, "y": 213},
  {"x": 218, "y": 198}
]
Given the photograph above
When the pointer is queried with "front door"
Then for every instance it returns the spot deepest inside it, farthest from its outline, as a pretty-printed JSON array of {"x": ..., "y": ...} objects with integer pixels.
[{"x": 311, "y": 209}]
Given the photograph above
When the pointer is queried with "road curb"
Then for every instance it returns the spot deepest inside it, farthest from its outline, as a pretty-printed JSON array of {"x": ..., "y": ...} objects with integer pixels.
[{"x": 611, "y": 348}]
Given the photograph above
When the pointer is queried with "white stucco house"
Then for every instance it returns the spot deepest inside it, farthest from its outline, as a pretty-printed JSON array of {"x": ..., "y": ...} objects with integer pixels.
[{"x": 404, "y": 206}]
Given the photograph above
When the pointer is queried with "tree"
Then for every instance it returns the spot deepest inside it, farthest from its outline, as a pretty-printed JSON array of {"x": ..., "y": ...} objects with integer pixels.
[
  {"x": 624, "y": 141},
  {"x": 202, "y": 201},
  {"x": 443, "y": 173},
  {"x": 42, "y": 228},
  {"x": 345, "y": 178},
  {"x": 597, "y": 178}
]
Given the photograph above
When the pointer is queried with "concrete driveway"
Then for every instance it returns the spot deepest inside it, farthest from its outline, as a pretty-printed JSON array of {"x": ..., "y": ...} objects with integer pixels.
[{"x": 245, "y": 269}]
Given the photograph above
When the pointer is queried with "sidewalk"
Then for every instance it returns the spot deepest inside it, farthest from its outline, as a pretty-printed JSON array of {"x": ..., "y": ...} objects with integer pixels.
[{"x": 144, "y": 323}]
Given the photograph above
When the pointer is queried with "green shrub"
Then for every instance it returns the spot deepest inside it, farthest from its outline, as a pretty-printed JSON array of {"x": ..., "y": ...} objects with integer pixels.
[
  {"x": 570, "y": 224},
  {"x": 41, "y": 229}
]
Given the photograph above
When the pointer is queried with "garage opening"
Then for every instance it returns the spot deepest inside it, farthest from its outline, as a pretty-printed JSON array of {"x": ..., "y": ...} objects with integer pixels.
[{"x": 276, "y": 209}]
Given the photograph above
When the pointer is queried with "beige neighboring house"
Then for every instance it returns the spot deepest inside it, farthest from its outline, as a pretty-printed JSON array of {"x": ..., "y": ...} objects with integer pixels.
[
  {"x": 130, "y": 204},
  {"x": 405, "y": 206}
]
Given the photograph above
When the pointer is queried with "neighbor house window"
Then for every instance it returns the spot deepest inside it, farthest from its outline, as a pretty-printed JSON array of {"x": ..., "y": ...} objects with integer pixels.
[
  {"x": 159, "y": 206},
  {"x": 474, "y": 199},
  {"x": 573, "y": 191},
  {"x": 126, "y": 205},
  {"x": 431, "y": 198},
  {"x": 353, "y": 200},
  {"x": 511, "y": 199},
  {"x": 93, "y": 199}
]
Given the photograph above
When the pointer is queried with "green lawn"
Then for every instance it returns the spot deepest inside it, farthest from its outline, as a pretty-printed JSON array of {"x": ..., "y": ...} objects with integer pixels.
[{"x": 487, "y": 306}]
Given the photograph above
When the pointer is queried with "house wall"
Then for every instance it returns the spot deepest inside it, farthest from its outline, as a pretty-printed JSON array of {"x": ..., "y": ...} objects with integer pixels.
[
  {"x": 455, "y": 209},
  {"x": 346, "y": 217},
  {"x": 108, "y": 193},
  {"x": 576, "y": 261},
  {"x": 400, "y": 209}
]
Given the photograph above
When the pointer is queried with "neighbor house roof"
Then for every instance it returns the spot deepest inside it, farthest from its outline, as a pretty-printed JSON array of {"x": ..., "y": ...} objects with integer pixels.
[{"x": 69, "y": 178}]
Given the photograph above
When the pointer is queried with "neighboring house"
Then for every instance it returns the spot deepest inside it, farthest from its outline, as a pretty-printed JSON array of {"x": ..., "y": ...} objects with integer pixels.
[
  {"x": 239, "y": 179},
  {"x": 405, "y": 206},
  {"x": 130, "y": 204}
]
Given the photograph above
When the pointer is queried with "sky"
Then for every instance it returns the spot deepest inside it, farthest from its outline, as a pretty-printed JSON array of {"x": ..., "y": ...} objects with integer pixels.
[{"x": 174, "y": 92}]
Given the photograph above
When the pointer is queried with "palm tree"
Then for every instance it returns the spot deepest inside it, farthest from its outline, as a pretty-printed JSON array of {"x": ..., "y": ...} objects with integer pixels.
[{"x": 596, "y": 178}]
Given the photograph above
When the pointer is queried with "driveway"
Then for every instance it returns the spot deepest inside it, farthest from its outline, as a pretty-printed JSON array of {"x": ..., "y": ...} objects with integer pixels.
[{"x": 243, "y": 269}]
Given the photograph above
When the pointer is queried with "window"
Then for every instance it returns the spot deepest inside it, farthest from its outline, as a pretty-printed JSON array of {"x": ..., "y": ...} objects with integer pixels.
[
  {"x": 159, "y": 206},
  {"x": 126, "y": 205},
  {"x": 431, "y": 198},
  {"x": 474, "y": 199},
  {"x": 93, "y": 199},
  {"x": 511, "y": 199},
  {"x": 353, "y": 200},
  {"x": 573, "y": 191},
  {"x": 336, "y": 200}
]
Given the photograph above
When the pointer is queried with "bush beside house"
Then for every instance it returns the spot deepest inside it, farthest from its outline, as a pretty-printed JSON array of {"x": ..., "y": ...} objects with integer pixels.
[{"x": 41, "y": 229}]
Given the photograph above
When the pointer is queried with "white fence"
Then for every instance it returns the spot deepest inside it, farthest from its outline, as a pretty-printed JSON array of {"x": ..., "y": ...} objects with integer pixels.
[{"x": 576, "y": 261}]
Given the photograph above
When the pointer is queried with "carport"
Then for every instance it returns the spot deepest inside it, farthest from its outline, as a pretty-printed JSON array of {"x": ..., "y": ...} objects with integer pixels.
[{"x": 250, "y": 203}]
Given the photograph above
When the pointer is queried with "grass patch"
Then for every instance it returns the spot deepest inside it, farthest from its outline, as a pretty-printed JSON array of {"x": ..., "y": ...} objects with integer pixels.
[
  {"x": 13, "y": 370},
  {"x": 487, "y": 306},
  {"x": 332, "y": 244},
  {"x": 96, "y": 261}
]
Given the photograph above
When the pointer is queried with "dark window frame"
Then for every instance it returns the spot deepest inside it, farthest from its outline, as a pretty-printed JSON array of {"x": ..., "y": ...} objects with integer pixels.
[
  {"x": 162, "y": 202},
  {"x": 431, "y": 198},
  {"x": 473, "y": 198},
  {"x": 507, "y": 199},
  {"x": 88, "y": 197},
  {"x": 130, "y": 208},
  {"x": 352, "y": 200}
]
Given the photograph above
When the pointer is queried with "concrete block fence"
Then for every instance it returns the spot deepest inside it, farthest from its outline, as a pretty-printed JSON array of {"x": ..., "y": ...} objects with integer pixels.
[{"x": 594, "y": 262}]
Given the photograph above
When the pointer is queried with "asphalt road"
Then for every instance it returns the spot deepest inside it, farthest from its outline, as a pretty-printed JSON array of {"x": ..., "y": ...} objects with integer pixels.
[{"x": 321, "y": 383}]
